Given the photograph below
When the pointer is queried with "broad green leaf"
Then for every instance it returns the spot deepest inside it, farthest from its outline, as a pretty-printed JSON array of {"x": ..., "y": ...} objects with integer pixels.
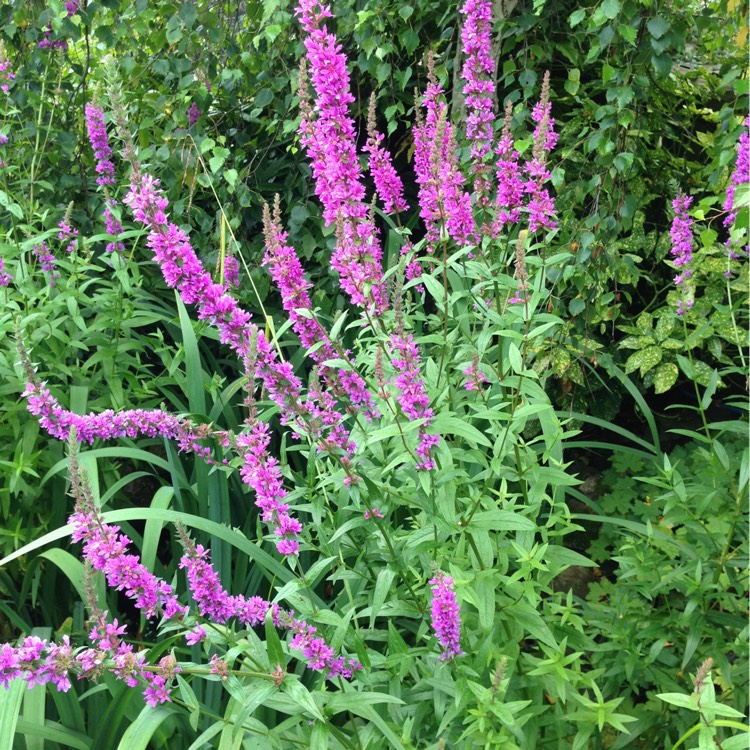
[
  {"x": 679, "y": 699},
  {"x": 610, "y": 8},
  {"x": 657, "y": 27},
  {"x": 665, "y": 376},
  {"x": 382, "y": 587},
  {"x": 53, "y": 732},
  {"x": 576, "y": 17},
  {"x": 10, "y": 707},
  {"x": 302, "y": 697},
  {"x": 645, "y": 359},
  {"x": 139, "y": 733},
  {"x": 446, "y": 423}
]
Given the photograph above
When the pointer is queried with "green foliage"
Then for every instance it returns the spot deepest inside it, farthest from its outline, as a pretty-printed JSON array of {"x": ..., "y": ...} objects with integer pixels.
[{"x": 568, "y": 643}]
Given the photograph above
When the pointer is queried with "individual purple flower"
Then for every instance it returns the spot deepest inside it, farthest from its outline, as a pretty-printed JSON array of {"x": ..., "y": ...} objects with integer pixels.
[
  {"x": 328, "y": 134},
  {"x": 388, "y": 184},
  {"x": 159, "y": 682},
  {"x": 681, "y": 235},
  {"x": 97, "y": 131},
  {"x": 113, "y": 226},
  {"x": 196, "y": 635},
  {"x": 475, "y": 378},
  {"x": 67, "y": 234},
  {"x": 479, "y": 89},
  {"x": 446, "y": 616},
  {"x": 5, "y": 278},
  {"x": 47, "y": 261},
  {"x": 231, "y": 272},
  {"x": 193, "y": 114},
  {"x": 6, "y": 76}
]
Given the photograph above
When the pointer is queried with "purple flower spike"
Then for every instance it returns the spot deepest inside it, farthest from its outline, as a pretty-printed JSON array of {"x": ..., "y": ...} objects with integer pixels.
[
  {"x": 388, "y": 184},
  {"x": 446, "y": 616},
  {"x": 479, "y": 89},
  {"x": 682, "y": 250},
  {"x": 100, "y": 144},
  {"x": 328, "y": 134}
]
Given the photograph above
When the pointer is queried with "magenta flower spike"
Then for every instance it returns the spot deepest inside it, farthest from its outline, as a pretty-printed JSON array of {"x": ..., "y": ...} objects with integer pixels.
[
  {"x": 446, "y": 616},
  {"x": 740, "y": 175},
  {"x": 478, "y": 74},
  {"x": 413, "y": 398},
  {"x": 541, "y": 205},
  {"x": 681, "y": 234},
  {"x": 444, "y": 204},
  {"x": 286, "y": 271},
  {"x": 388, "y": 184},
  {"x": 510, "y": 187},
  {"x": 328, "y": 134},
  {"x": 97, "y": 131}
]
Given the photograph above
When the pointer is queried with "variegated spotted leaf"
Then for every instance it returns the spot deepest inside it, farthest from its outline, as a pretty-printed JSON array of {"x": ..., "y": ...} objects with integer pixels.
[{"x": 665, "y": 377}]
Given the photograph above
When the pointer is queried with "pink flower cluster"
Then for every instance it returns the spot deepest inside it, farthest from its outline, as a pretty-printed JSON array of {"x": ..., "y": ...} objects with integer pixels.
[
  {"x": 475, "y": 378},
  {"x": 388, "y": 184},
  {"x": 681, "y": 234},
  {"x": 6, "y": 75},
  {"x": 113, "y": 226},
  {"x": 446, "y": 616},
  {"x": 479, "y": 90},
  {"x": 109, "y": 425},
  {"x": 541, "y": 205},
  {"x": 413, "y": 398},
  {"x": 328, "y": 134},
  {"x": 214, "y": 602},
  {"x": 39, "y": 662},
  {"x": 444, "y": 205},
  {"x": 47, "y": 261},
  {"x": 740, "y": 175},
  {"x": 5, "y": 278},
  {"x": 286, "y": 271},
  {"x": 67, "y": 234},
  {"x": 97, "y": 131},
  {"x": 510, "y": 189}
]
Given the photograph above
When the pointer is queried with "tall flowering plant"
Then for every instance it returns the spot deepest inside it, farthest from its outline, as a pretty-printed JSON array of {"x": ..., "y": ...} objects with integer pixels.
[{"x": 406, "y": 541}]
